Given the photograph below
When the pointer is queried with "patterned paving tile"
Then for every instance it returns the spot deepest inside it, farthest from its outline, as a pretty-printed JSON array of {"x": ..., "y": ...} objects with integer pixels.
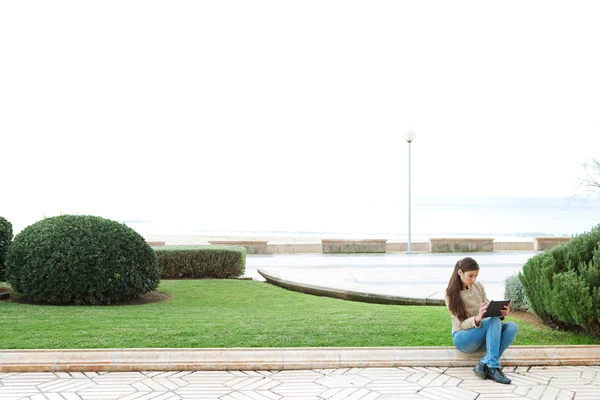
[
  {"x": 252, "y": 383},
  {"x": 450, "y": 393},
  {"x": 71, "y": 396},
  {"x": 338, "y": 371},
  {"x": 486, "y": 386},
  {"x": 258, "y": 373},
  {"x": 250, "y": 396},
  {"x": 445, "y": 380},
  {"x": 565, "y": 395},
  {"x": 422, "y": 379},
  {"x": 305, "y": 389},
  {"x": 391, "y": 387},
  {"x": 437, "y": 369},
  {"x": 551, "y": 392},
  {"x": 10, "y": 393},
  {"x": 65, "y": 385},
  {"x": 385, "y": 373},
  {"x": 297, "y": 376},
  {"x": 572, "y": 383},
  {"x": 343, "y": 381},
  {"x": 346, "y": 393},
  {"x": 532, "y": 383},
  {"x": 106, "y": 392},
  {"x": 203, "y": 390},
  {"x": 151, "y": 396},
  {"x": 528, "y": 379}
]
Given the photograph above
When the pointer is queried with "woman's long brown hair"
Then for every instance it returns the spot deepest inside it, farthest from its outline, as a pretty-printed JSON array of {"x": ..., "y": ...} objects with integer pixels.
[{"x": 455, "y": 285}]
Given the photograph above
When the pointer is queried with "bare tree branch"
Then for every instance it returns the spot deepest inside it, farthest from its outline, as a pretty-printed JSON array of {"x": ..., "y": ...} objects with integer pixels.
[{"x": 591, "y": 179}]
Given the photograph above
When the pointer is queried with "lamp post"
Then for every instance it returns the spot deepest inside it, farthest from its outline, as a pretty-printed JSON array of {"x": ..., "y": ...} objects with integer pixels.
[{"x": 409, "y": 137}]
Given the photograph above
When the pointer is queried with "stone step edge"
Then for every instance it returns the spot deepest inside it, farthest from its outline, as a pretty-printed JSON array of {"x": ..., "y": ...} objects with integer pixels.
[
  {"x": 282, "y": 358},
  {"x": 365, "y": 297}
]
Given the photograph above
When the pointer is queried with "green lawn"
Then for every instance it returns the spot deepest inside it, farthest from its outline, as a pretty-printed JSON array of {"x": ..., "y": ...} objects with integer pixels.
[{"x": 235, "y": 313}]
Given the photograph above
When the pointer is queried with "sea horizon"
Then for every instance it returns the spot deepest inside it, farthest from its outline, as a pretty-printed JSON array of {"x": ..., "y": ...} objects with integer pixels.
[{"x": 504, "y": 218}]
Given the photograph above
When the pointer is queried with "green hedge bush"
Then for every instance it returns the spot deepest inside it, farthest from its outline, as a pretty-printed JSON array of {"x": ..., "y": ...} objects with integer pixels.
[
  {"x": 201, "y": 261},
  {"x": 563, "y": 283},
  {"x": 6, "y": 236},
  {"x": 514, "y": 291},
  {"x": 81, "y": 259}
]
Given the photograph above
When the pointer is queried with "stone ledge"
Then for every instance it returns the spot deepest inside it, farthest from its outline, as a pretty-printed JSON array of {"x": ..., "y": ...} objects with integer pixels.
[
  {"x": 403, "y": 246},
  {"x": 252, "y": 246},
  {"x": 294, "y": 248},
  {"x": 390, "y": 247},
  {"x": 349, "y": 294},
  {"x": 353, "y": 245},
  {"x": 547, "y": 242},
  {"x": 316, "y": 247},
  {"x": 281, "y": 358},
  {"x": 155, "y": 244},
  {"x": 513, "y": 246},
  {"x": 459, "y": 245}
]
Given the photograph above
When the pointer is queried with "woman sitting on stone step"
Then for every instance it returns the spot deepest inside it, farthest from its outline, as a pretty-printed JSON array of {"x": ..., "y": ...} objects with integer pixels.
[{"x": 467, "y": 302}]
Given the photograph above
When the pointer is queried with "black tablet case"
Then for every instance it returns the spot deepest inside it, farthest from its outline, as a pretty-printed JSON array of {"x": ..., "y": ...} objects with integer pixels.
[{"x": 495, "y": 307}]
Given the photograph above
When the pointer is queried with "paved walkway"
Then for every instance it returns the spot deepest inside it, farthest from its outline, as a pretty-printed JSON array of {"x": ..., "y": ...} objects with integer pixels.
[
  {"x": 421, "y": 275},
  {"x": 554, "y": 383}
]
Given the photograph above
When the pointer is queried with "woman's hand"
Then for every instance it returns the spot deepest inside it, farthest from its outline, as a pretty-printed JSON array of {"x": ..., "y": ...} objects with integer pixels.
[
  {"x": 482, "y": 310},
  {"x": 506, "y": 310}
]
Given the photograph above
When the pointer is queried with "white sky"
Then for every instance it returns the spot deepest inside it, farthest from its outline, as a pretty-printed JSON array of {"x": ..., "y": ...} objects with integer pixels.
[{"x": 129, "y": 109}]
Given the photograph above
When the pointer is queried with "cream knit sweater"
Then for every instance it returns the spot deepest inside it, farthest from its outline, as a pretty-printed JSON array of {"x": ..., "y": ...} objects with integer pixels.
[{"x": 473, "y": 297}]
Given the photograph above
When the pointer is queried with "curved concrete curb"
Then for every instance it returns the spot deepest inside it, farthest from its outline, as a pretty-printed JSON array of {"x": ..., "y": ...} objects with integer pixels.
[
  {"x": 281, "y": 358},
  {"x": 349, "y": 294}
]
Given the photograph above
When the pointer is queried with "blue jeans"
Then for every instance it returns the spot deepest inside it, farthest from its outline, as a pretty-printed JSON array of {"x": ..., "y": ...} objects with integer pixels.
[{"x": 493, "y": 336}]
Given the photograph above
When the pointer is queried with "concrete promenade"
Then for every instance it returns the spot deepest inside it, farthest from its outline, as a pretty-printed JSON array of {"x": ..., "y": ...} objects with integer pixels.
[{"x": 419, "y": 275}]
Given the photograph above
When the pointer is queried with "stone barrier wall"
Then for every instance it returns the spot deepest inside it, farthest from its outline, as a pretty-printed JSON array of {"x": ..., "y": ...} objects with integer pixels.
[
  {"x": 403, "y": 246},
  {"x": 547, "y": 242},
  {"x": 460, "y": 245},
  {"x": 296, "y": 248},
  {"x": 508, "y": 246},
  {"x": 350, "y": 246},
  {"x": 353, "y": 246},
  {"x": 252, "y": 246}
]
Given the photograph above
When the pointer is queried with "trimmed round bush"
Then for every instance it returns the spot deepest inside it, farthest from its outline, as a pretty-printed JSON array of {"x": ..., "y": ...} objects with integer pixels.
[
  {"x": 6, "y": 236},
  {"x": 81, "y": 259}
]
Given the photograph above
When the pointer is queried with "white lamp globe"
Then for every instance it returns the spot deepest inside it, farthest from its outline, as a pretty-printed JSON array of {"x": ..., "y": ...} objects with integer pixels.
[{"x": 410, "y": 136}]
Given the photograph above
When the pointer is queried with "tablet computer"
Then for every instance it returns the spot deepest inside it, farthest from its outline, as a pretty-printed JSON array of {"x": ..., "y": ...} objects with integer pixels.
[{"x": 495, "y": 307}]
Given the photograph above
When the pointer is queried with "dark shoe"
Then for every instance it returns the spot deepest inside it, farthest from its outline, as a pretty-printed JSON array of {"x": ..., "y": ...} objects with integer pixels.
[
  {"x": 497, "y": 375},
  {"x": 481, "y": 370}
]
